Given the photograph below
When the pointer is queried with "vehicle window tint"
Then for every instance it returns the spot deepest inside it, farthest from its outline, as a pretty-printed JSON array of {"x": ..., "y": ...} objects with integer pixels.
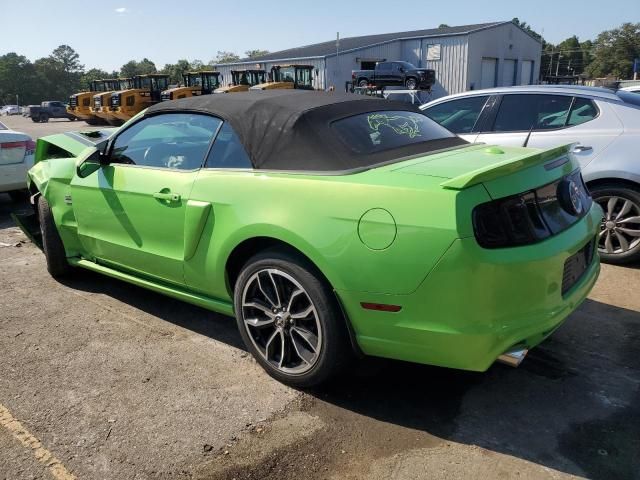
[
  {"x": 582, "y": 111},
  {"x": 227, "y": 151},
  {"x": 172, "y": 140},
  {"x": 459, "y": 116},
  {"x": 383, "y": 130},
  {"x": 522, "y": 112},
  {"x": 384, "y": 66}
]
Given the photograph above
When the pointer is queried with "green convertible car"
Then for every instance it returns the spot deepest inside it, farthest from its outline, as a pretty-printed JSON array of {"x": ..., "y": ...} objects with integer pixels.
[{"x": 327, "y": 224}]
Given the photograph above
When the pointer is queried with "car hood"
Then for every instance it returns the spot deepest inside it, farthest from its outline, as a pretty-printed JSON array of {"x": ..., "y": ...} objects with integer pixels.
[{"x": 75, "y": 142}]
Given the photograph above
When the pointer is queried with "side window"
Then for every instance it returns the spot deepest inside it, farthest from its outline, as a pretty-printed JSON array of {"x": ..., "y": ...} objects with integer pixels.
[
  {"x": 519, "y": 113},
  {"x": 170, "y": 140},
  {"x": 458, "y": 116},
  {"x": 582, "y": 111},
  {"x": 227, "y": 151},
  {"x": 384, "y": 66}
]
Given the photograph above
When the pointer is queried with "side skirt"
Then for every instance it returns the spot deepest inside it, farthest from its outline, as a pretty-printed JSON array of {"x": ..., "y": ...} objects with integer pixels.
[{"x": 226, "y": 308}]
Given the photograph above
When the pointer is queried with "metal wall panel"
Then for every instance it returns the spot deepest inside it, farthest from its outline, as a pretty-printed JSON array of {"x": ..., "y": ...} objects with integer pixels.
[
  {"x": 451, "y": 69},
  {"x": 504, "y": 42},
  {"x": 348, "y": 61}
]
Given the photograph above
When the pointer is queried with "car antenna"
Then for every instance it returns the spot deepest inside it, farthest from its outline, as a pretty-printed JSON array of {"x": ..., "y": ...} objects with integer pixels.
[{"x": 526, "y": 140}]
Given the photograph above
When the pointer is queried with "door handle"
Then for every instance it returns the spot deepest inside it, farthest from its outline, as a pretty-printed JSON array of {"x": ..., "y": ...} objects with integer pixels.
[
  {"x": 169, "y": 197},
  {"x": 581, "y": 148}
]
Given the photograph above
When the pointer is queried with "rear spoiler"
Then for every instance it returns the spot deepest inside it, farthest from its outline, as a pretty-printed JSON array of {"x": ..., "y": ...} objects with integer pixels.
[{"x": 496, "y": 170}]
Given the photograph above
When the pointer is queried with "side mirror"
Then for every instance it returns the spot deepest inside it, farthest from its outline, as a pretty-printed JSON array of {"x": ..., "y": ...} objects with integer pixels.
[{"x": 90, "y": 164}]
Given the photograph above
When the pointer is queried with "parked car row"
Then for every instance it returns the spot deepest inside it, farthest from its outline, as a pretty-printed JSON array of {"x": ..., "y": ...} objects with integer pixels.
[{"x": 603, "y": 127}]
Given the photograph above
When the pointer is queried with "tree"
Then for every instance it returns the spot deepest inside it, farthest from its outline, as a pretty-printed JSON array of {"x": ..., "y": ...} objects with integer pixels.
[
  {"x": 16, "y": 78},
  {"x": 143, "y": 67},
  {"x": 443, "y": 25},
  {"x": 91, "y": 75},
  {"x": 225, "y": 57},
  {"x": 176, "y": 70},
  {"x": 255, "y": 53},
  {"x": 614, "y": 52}
]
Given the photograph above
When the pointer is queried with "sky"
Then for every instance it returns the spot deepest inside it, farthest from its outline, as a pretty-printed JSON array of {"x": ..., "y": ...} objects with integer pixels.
[{"x": 109, "y": 33}]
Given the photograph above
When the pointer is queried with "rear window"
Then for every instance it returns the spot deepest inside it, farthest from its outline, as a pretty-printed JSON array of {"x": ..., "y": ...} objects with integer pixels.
[
  {"x": 375, "y": 132},
  {"x": 632, "y": 98}
]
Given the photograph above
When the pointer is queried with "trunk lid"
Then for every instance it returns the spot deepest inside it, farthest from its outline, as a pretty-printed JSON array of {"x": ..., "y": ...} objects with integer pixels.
[
  {"x": 503, "y": 171},
  {"x": 13, "y": 147}
]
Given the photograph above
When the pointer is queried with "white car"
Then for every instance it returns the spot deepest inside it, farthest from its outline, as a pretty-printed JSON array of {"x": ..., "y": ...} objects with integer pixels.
[
  {"x": 603, "y": 125},
  {"x": 16, "y": 157},
  {"x": 633, "y": 88},
  {"x": 10, "y": 110}
]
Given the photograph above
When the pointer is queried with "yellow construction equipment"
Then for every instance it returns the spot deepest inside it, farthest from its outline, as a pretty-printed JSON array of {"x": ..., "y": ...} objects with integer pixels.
[
  {"x": 289, "y": 76},
  {"x": 146, "y": 91},
  {"x": 80, "y": 103},
  {"x": 100, "y": 102},
  {"x": 195, "y": 83},
  {"x": 242, "y": 80}
]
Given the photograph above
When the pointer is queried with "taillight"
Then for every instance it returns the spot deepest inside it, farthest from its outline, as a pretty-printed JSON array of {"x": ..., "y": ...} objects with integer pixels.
[
  {"x": 532, "y": 216},
  {"x": 31, "y": 147},
  {"x": 509, "y": 222}
]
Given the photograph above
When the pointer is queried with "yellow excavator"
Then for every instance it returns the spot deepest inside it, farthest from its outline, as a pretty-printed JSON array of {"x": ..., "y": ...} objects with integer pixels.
[
  {"x": 80, "y": 103},
  {"x": 289, "y": 76},
  {"x": 100, "y": 102},
  {"x": 242, "y": 80},
  {"x": 146, "y": 90},
  {"x": 194, "y": 84}
]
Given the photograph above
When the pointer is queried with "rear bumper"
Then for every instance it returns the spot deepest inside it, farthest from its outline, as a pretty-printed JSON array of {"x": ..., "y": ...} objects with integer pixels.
[
  {"x": 477, "y": 304},
  {"x": 14, "y": 176}
]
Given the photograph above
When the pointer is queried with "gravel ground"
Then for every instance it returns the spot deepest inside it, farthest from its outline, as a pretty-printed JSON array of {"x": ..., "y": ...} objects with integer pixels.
[{"x": 119, "y": 382}]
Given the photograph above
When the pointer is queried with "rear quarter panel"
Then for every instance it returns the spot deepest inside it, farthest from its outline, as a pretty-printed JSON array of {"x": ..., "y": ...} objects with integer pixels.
[{"x": 319, "y": 216}]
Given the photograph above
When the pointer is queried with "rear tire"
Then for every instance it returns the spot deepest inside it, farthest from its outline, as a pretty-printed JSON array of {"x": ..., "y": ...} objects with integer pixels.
[
  {"x": 52, "y": 246},
  {"x": 298, "y": 315},
  {"x": 44, "y": 118},
  {"x": 619, "y": 240},
  {"x": 363, "y": 82},
  {"x": 35, "y": 119},
  {"x": 411, "y": 83}
]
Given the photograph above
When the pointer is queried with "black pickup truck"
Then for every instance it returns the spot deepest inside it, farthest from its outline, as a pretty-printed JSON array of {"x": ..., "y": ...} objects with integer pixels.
[
  {"x": 47, "y": 110},
  {"x": 394, "y": 74}
]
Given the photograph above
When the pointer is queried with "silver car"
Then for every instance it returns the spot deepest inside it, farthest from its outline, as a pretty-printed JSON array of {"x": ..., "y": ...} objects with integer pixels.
[{"x": 603, "y": 126}]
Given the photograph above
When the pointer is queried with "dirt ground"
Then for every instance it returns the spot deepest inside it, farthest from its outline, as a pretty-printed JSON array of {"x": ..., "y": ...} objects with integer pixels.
[{"x": 103, "y": 380}]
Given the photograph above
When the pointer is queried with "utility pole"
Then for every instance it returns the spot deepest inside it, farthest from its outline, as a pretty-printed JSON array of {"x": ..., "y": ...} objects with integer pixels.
[
  {"x": 337, "y": 53},
  {"x": 558, "y": 66}
]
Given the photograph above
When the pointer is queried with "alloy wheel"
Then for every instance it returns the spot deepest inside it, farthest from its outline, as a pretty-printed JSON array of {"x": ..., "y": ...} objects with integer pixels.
[
  {"x": 282, "y": 321},
  {"x": 620, "y": 228}
]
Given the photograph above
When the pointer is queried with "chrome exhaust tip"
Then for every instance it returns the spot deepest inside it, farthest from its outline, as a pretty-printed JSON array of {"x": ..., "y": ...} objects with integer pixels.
[{"x": 514, "y": 358}]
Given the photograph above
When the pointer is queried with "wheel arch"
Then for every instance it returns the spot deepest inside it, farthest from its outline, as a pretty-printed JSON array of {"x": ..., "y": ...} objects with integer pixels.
[
  {"x": 250, "y": 246},
  {"x": 596, "y": 182}
]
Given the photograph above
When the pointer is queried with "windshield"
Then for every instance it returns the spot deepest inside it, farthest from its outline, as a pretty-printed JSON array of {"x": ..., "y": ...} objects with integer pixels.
[
  {"x": 407, "y": 65},
  {"x": 375, "y": 132},
  {"x": 629, "y": 97},
  {"x": 258, "y": 78},
  {"x": 194, "y": 80},
  {"x": 160, "y": 83},
  {"x": 287, "y": 74}
]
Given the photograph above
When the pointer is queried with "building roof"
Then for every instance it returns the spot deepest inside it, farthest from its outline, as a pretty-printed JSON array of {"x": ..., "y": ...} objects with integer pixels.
[
  {"x": 291, "y": 129},
  {"x": 326, "y": 49}
]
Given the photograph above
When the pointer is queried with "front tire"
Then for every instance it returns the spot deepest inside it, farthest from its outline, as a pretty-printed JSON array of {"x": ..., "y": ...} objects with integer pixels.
[
  {"x": 411, "y": 83},
  {"x": 289, "y": 319},
  {"x": 52, "y": 246},
  {"x": 619, "y": 237}
]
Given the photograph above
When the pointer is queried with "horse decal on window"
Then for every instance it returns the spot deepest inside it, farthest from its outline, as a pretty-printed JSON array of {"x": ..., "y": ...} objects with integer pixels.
[{"x": 401, "y": 125}]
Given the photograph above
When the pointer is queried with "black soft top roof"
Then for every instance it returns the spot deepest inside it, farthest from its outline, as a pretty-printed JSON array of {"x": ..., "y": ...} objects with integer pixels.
[{"x": 290, "y": 129}]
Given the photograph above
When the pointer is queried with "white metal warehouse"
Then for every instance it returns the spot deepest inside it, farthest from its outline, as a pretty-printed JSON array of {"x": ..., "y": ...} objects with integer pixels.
[{"x": 464, "y": 57}]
